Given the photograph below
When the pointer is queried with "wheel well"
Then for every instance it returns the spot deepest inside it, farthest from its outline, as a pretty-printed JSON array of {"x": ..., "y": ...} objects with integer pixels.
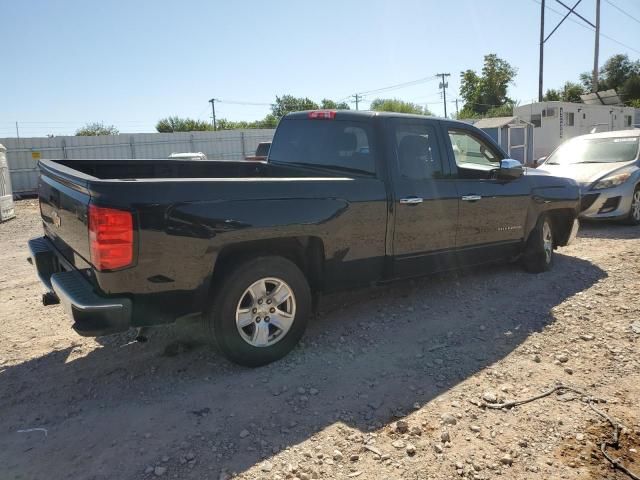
[
  {"x": 306, "y": 252},
  {"x": 561, "y": 223}
]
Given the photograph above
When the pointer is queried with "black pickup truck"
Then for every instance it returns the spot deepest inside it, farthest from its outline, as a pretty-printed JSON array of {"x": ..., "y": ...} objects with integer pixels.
[{"x": 344, "y": 199}]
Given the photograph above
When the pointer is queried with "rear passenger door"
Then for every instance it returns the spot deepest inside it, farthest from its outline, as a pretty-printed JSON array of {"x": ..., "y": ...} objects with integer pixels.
[{"x": 425, "y": 200}]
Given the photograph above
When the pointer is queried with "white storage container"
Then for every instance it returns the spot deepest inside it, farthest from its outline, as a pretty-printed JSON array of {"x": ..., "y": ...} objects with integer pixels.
[{"x": 7, "y": 209}]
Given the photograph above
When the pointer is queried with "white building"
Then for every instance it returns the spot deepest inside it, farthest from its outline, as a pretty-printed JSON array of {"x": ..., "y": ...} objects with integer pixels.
[{"x": 554, "y": 122}]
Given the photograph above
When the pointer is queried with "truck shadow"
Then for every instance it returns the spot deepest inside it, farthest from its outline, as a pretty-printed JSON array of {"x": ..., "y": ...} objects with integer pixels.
[{"x": 371, "y": 357}]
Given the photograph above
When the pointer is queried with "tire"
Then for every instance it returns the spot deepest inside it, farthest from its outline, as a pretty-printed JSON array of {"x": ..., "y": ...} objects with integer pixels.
[
  {"x": 538, "y": 252},
  {"x": 242, "y": 316},
  {"x": 634, "y": 211}
]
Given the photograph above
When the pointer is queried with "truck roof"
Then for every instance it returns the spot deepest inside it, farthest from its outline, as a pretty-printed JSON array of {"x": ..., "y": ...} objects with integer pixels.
[{"x": 364, "y": 114}]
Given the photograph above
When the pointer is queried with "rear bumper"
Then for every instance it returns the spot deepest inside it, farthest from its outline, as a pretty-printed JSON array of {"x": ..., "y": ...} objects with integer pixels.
[{"x": 93, "y": 314}]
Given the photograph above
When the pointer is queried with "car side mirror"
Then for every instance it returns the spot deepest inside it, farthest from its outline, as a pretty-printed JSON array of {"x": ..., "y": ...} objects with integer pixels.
[{"x": 510, "y": 169}]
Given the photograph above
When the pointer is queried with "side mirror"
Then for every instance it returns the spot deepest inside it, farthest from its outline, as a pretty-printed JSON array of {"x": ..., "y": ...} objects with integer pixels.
[{"x": 510, "y": 169}]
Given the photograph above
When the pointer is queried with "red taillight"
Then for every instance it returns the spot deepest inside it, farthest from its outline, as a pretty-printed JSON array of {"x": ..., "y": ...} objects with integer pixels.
[
  {"x": 110, "y": 237},
  {"x": 322, "y": 114}
]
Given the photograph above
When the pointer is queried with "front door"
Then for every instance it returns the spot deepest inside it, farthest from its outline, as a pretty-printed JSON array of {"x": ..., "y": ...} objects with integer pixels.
[
  {"x": 492, "y": 211},
  {"x": 425, "y": 198}
]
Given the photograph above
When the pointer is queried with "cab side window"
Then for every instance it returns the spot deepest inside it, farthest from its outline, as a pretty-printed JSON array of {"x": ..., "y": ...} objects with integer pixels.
[
  {"x": 474, "y": 157},
  {"x": 417, "y": 150}
]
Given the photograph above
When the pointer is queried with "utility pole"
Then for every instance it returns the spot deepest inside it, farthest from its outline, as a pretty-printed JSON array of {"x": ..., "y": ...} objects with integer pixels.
[
  {"x": 17, "y": 132},
  {"x": 443, "y": 86},
  {"x": 457, "y": 111},
  {"x": 213, "y": 112},
  {"x": 540, "y": 74},
  {"x": 597, "y": 49},
  {"x": 357, "y": 98},
  {"x": 543, "y": 39}
]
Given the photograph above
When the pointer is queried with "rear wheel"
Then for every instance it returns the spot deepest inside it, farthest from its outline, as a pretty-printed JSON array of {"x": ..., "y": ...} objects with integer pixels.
[
  {"x": 538, "y": 253},
  {"x": 634, "y": 211},
  {"x": 260, "y": 311}
]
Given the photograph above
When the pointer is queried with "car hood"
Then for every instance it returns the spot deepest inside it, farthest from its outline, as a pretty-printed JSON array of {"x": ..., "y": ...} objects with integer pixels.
[{"x": 584, "y": 173}]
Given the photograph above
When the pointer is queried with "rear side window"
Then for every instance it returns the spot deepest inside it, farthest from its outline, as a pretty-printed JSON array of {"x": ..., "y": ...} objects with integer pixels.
[
  {"x": 417, "y": 151},
  {"x": 338, "y": 144}
]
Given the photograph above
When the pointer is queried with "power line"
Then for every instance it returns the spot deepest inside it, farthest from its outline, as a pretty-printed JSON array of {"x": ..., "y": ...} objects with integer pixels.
[
  {"x": 240, "y": 102},
  {"x": 619, "y": 43},
  {"x": 551, "y": 9},
  {"x": 623, "y": 11},
  {"x": 399, "y": 85}
]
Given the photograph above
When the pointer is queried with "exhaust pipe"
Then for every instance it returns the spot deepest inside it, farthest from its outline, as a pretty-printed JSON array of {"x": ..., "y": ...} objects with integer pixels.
[{"x": 50, "y": 298}]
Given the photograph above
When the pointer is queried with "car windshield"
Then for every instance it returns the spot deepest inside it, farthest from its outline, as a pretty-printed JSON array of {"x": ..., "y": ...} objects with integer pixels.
[{"x": 595, "y": 150}]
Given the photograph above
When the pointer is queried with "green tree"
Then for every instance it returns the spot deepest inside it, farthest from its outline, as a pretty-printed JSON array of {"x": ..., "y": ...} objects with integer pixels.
[
  {"x": 487, "y": 90},
  {"x": 289, "y": 103},
  {"x": 224, "y": 124},
  {"x": 631, "y": 90},
  {"x": 571, "y": 92},
  {"x": 178, "y": 124},
  {"x": 270, "y": 121},
  {"x": 327, "y": 104},
  {"x": 618, "y": 73},
  {"x": 586, "y": 79},
  {"x": 96, "y": 128},
  {"x": 617, "y": 70},
  {"x": 395, "y": 105},
  {"x": 505, "y": 110},
  {"x": 552, "y": 95}
]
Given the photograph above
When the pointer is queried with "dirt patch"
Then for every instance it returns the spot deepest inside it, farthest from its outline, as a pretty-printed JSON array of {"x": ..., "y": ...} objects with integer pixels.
[
  {"x": 583, "y": 451},
  {"x": 414, "y": 352}
]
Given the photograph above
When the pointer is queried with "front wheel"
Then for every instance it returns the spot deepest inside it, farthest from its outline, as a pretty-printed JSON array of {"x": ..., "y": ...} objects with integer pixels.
[
  {"x": 260, "y": 311},
  {"x": 634, "y": 211},
  {"x": 538, "y": 252}
]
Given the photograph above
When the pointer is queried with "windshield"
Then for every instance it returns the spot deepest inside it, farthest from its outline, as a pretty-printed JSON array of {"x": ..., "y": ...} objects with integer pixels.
[{"x": 595, "y": 150}]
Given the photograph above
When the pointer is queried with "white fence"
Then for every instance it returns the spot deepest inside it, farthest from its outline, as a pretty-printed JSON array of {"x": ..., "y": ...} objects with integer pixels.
[{"x": 23, "y": 153}]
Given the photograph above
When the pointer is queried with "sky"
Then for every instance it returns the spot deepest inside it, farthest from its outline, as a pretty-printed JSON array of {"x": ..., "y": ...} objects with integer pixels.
[{"x": 129, "y": 63}]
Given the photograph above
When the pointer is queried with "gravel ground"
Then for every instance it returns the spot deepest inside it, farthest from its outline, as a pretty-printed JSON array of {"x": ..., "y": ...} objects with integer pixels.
[{"x": 386, "y": 384}]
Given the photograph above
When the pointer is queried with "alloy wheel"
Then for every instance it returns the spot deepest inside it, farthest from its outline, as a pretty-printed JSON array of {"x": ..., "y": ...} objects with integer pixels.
[{"x": 265, "y": 312}]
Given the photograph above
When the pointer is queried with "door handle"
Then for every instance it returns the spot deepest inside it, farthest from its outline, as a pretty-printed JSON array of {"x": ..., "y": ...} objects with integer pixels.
[
  {"x": 471, "y": 198},
  {"x": 411, "y": 200}
]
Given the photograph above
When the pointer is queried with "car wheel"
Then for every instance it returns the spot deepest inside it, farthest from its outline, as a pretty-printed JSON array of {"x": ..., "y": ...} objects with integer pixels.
[
  {"x": 538, "y": 253},
  {"x": 634, "y": 211},
  {"x": 260, "y": 311}
]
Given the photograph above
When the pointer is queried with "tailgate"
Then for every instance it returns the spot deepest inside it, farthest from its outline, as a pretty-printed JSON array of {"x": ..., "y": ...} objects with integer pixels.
[{"x": 64, "y": 204}]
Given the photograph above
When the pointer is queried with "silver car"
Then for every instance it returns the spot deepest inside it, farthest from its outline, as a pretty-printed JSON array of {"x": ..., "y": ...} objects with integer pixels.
[{"x": 607, "y": 168}]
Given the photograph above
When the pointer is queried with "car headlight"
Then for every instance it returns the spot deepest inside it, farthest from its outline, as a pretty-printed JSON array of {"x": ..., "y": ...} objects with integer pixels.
[{"x": 612, "y": 181}]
